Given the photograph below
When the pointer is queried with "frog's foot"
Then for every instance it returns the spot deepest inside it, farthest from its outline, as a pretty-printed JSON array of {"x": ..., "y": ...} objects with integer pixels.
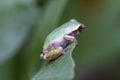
[
  {"x": 70, "y": 38},
  {"x": 64, "y": 50},
  {"x": 53, "y": 54}
]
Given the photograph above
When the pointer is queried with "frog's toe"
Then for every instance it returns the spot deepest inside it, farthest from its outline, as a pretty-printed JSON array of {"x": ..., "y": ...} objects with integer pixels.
[{"x": 64, "y": 50}]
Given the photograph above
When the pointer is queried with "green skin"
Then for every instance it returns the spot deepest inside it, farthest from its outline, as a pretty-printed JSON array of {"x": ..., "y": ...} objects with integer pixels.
[{"x": 52, "y": 47}]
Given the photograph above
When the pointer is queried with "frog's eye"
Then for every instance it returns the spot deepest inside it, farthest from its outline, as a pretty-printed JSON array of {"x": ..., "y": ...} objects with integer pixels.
[{"x": 81, "y": 27}]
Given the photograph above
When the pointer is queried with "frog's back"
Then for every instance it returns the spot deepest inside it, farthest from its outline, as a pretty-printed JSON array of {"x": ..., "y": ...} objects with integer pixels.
[{"x": 58, "y": 34}]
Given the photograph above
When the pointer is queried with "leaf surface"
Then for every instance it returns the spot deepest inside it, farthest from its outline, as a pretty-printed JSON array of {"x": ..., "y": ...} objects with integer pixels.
[
  {"x": 60, "y": 69},
  {"x": 16, "y": 19}
]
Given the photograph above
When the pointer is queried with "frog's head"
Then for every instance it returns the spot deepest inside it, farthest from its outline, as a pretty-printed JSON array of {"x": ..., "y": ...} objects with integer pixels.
[
  {"x": 77, "y": 31},
  {"x": 51, "y": 54}
]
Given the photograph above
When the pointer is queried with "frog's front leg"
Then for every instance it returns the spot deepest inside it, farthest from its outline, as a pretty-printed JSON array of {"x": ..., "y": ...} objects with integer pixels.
[{"x": 70, "y": 38}]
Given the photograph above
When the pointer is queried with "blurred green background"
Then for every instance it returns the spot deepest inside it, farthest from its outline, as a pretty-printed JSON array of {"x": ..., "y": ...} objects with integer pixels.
[{"x": 24, "y": 25}]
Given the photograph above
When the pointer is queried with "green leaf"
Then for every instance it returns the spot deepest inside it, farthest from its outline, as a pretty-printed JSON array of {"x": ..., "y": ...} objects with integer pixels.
[
  {"x": 48, "y": 20},
  {"x": 59, "y": 69},
  {"x": 46, "y": 23},
  {"x": 16, "y": 19}
]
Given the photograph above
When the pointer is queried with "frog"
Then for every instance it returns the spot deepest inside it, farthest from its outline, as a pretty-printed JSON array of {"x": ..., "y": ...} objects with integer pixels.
[{"x": 58, "y": 41}]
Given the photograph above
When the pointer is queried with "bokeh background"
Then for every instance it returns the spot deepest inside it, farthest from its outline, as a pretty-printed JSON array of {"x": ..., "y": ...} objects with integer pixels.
[{"x": 24, "y": 25}]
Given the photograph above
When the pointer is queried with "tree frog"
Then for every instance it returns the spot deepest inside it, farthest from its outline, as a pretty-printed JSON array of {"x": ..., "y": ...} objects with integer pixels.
[{"x": 57, "y": 41}]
